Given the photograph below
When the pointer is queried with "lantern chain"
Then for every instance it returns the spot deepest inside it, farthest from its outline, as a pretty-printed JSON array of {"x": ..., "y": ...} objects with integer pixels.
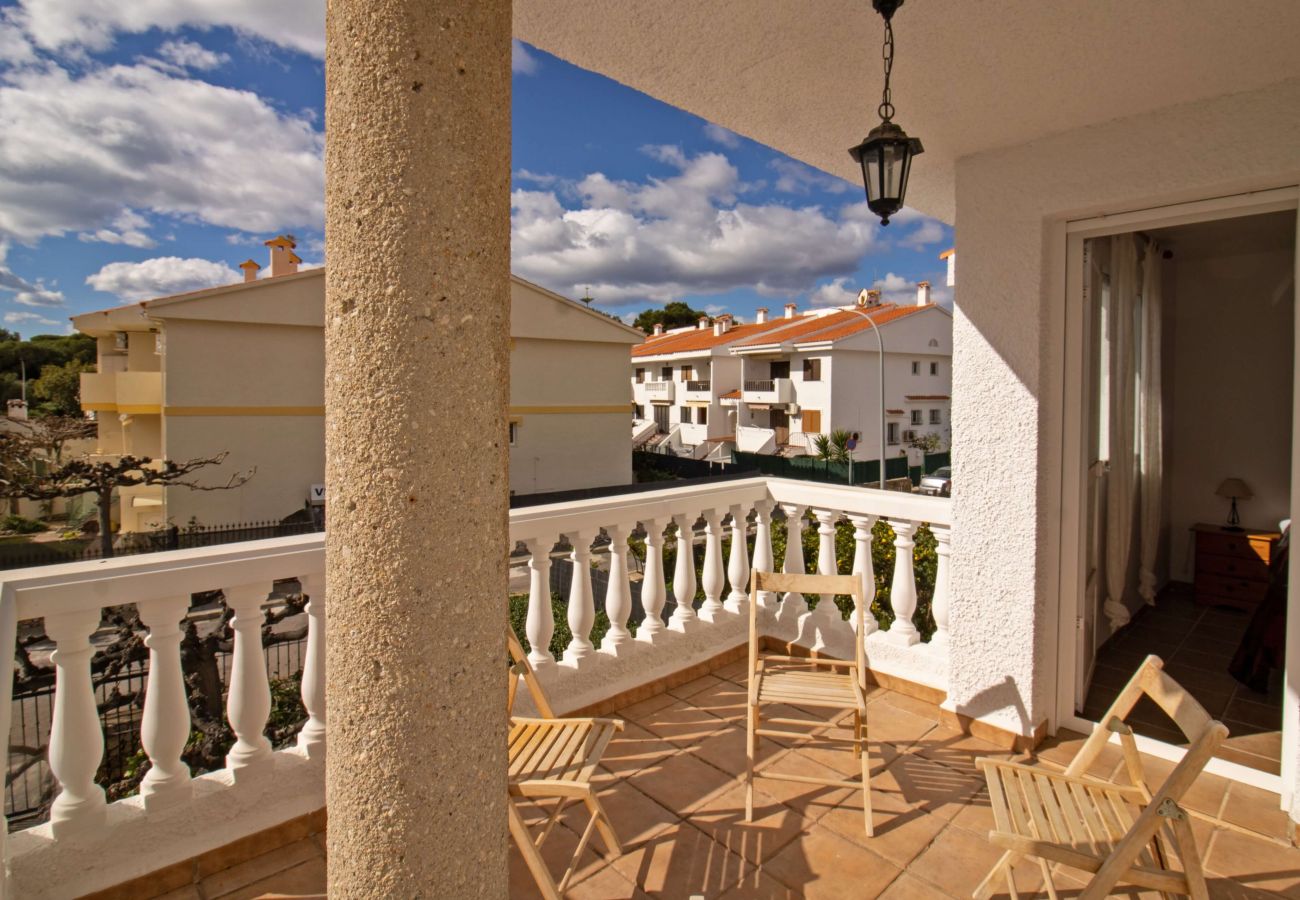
[{"x": 886, "y": 110}]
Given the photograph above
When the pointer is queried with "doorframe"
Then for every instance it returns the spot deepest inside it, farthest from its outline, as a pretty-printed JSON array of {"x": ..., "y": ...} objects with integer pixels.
[{"x": 1066, "y": 332}]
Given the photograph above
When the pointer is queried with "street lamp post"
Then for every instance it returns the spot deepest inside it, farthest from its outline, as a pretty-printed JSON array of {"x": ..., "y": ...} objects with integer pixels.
[{"x": 880, "y": 346}]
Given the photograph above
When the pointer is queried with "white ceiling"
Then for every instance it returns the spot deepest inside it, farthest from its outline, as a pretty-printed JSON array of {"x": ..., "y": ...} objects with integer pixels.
[
  {"x": 1266, "y": 233},
  {"x": 970, "y": 75}
]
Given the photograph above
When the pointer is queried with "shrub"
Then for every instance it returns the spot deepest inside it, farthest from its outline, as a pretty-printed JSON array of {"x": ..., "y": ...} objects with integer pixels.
[{"x": 21, "y": 525}]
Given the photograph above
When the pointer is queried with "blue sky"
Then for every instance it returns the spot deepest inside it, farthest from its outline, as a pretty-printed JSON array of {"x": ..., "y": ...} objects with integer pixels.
[{"x": 150, "y": 147}]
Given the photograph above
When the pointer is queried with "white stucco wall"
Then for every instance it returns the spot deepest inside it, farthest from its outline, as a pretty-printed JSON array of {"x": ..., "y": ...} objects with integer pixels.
[{"x": 1007, "y": 357}]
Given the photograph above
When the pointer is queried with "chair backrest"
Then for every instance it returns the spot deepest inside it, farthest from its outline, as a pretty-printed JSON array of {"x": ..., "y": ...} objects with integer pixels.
[
  {"x": 522, "y": 669},
  {"x": 809, "y": 584},
  {"x": 1203, "y": 733}
]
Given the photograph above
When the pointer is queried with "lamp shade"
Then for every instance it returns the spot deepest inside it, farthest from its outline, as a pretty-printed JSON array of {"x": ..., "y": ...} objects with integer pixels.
[{"x": 1234, "y": 488}]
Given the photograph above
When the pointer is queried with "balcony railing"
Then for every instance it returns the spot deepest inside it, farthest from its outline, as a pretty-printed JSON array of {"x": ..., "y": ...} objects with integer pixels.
[
  {"x": 773, "y": 390},
  {"x": 693, "y": 387},
  {"x": 79, "y": 849},
  {"x": 660, "y": 390}
]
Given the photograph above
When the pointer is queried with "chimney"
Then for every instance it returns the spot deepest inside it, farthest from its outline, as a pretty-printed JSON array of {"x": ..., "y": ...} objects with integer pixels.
[
  {"x": 704, "y": 322},
  {"x": 283, "y": 260},
  {"x": 760, "y": 315},
  {"x": 17, "y": 409},
  {"x": 951, "y": 257},
  {"x": 923, "y": 293},
  {"x": 873, "y": 297},
  {"x": 250, "y": 270},
  {"x": 789, "y": 310},
  {"x": 722, "y": 324},
  {"x": 659, "y": 328}
]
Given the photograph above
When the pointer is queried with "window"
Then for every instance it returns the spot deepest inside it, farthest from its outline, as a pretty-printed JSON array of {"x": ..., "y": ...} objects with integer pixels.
[
  {"x": 935, "y": 417},
  {"x": 812, "y": 370},
  {"x": 640, "y": 376},
  {"x": 666, "y": 373},
  {"x": 701, "y": 415},
  {"x": 916, "y": 417},
  {"x": 779, "y": 370},
  {"x": 638, "y": 411},
  {"x": 891, "y": 433},
  {"x": 684, "y": 415},
  {"x": 934, "y": 368},
  {"x": 514, "y": 433},
  {"x": 812, "y": 421},
  {"x": 688, "y": 373},
  {"x": 916, "y": 367}
]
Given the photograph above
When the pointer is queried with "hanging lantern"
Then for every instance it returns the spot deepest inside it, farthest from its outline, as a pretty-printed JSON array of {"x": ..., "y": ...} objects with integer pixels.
[{"x": 886, "y": 153}]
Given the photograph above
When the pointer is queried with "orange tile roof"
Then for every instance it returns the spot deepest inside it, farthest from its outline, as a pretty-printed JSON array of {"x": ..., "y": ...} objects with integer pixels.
[
  {"x": 802, "y": 326},
  {"x": 731, "y": 395},
  {"x": 700, "y": 339},
  {"x": 855, "y": 323}
]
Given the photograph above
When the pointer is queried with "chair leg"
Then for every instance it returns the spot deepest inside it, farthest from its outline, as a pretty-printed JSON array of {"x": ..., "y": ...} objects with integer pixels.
[
  {"x": 857, "y": 734},
  {"x": 751, "y": 749},
  {"x": 985, "y": 889},
  {"x": 605, "y": 825},
  {"x": 532, "y": 858},
  {"x": 551, "y": 820},
  {"x": 1191, "y": 859},
  {"x": 863, "y": 753}
]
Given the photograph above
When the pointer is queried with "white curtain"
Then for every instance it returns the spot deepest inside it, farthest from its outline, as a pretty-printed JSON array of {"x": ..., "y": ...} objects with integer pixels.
[
  {"x": 1150, "y": 425},
  {"x": 1121, "y": 324}
]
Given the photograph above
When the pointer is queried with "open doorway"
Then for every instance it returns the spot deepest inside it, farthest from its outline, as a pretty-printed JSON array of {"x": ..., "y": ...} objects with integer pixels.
[{"x": 1188, "y": 365}]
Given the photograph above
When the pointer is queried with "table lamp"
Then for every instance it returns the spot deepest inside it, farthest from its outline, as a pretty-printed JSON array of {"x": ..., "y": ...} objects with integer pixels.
[{"x": 1235, "y": 489}]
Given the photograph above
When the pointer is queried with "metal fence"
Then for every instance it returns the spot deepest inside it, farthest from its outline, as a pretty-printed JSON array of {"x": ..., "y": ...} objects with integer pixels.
[{"x": 29, "y": 785}]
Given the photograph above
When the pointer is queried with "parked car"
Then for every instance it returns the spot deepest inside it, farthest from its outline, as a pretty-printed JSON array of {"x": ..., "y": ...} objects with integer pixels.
[{"x": 938, "y": 482}]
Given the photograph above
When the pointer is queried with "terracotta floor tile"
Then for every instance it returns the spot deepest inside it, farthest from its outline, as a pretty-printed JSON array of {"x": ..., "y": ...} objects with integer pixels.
[
  {"x": 557, "y": 853},
  {"x": 682, "y": 782},
  {"x": 957, "y": 750},
  {"x": 812, "y": 801},
  {"x": 691, "y": 688},
  {"x": 259, "y": 868},
  {"x": 823, "y": 864},
  {"x": 1256, "y": 809},
  {"x": 1255, "y": 862},
  {"x": 303, "y": 880},
  {"x": 737, "y": 671},
  {"x": 633, "y": 749},
  {"x": 757, "y": 885},
  {"x": 774, "y": 826},
  {"x": 189, "y": 892},
  {"x": 635, "y": 816},
  {"x": 637, "y": 711},
  {"x": 922, "y": 708},
  {"x": 900, "y": 835},
  {"x": 680, "y": 862},
  {"x": 888, "y": 723},
  {"x": 1205, "y": 795},
  {"x": 958, "y": 860},
  {"x": 726, "y": 750},
  {"x": 927, "y": 785},
  {"x": 726, "y": 700},
  {"x": 909, "y": 887},
  {"x": 976, "y": 816},
  {"x": 682, "y": 723}
]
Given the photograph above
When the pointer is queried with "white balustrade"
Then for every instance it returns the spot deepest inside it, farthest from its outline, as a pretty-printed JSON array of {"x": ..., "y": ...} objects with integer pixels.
[
  {"x": 248, "y": 705},
  {"x": 76, "y": 741},
  {"x": 763, "y": 548},
  {"x": 166, "y": 725},
  {"x": 942, "y": 584},
  {"x": 827, "y": 613},
  {"x": 738, "y": 563},
  {"x": 902, "y": 591},
  {"x": 311, "y": 740},
  {"x": 654, "y": 593},
  {"x": 540, "y": 622},
  {"x": 684, "y": 617},
  {"x": 711, "y": 579},
  {"x": 618, "y": 596},
  {"x": 581, "y": 607},
  {"x": 864, "y": 568},
  {"x": 794, "y": 604}
]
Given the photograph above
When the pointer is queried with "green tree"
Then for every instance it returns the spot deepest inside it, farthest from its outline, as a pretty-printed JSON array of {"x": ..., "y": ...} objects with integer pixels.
[
  {"x": 833, "y": 447},
  {"x": 60, "y": 389},
  {"x": 672, "y": 315}
]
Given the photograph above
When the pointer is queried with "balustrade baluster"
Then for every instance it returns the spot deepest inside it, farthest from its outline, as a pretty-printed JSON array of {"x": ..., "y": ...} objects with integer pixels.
[
  {"x": 76, "y": 739},
  {"x": 249, "y": 702},
  {"x": 540, "y": 623},
  {"x": 826, "y": 610},
  {"x": 712, "y": 577},
  {"x": 618, "y": 597},
  {"x": 763, "y": 547},
  {"x": 738, "y": 563},
  {"x": 902, "y": 592},
  {"x": 939, "y": 605},
  {"x": 794, "y": 603},
  {"x": 684, "y": 575},
  {"x": 582, "y": 609},
  {"x": 165, "y": 727},
  {"x": 311, "y": 740},
  {"x": 864, "y": 567},
  {"x": 654, "y": 593}
]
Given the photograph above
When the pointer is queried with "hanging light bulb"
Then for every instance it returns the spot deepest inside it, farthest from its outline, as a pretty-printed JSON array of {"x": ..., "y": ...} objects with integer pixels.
[{"x": 886, "y": 153}]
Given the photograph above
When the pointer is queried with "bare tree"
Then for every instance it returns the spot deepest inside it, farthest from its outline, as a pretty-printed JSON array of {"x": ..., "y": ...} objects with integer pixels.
[{"x": 31, "y": 466}]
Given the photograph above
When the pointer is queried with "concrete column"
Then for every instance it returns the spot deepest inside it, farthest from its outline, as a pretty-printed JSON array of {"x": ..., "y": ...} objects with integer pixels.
[{"x": 417, "y": 323}]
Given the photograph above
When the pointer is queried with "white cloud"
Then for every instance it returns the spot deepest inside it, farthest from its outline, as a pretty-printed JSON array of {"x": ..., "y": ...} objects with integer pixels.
[
  {"x": 834, "y": 293},
  {"x": 160, "y": 276},
  {"x": 720, "y": 135},
  {"x": 897, "y": 289},
  {"x": 793, "y": 177},
  {"x": 68, "y": 24},
  {"x": 25, "y": 292},
  {"x": 658, "y": 239},
  {"x": 191, "y": 55},
  {"x": 28, "y": 318},
  {"x": 521, "y": 61},
  {"x": 15, "y": 48},
  {"x": 128, "y": 229},
  {"x": 536, "y": 178},
  {"x": 930, "y": 231},
  {"x": 76, "y": 150}
]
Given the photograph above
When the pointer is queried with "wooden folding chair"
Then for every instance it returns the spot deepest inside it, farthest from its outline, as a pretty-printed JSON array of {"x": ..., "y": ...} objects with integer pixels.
[
  {"x": 1119, "y": 833},
  {"x": 805, "y": 682},
  {"x": 553, "y": 759}
]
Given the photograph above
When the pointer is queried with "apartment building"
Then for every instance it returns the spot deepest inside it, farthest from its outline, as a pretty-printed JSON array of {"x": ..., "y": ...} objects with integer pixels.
[
  {"x": 240, "y": 368},
  {"x": 774, "y": 385}
]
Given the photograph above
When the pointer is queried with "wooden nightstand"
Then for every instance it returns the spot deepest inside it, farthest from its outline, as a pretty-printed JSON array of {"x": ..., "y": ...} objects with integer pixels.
[{"x": 1232, "y": 566}]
